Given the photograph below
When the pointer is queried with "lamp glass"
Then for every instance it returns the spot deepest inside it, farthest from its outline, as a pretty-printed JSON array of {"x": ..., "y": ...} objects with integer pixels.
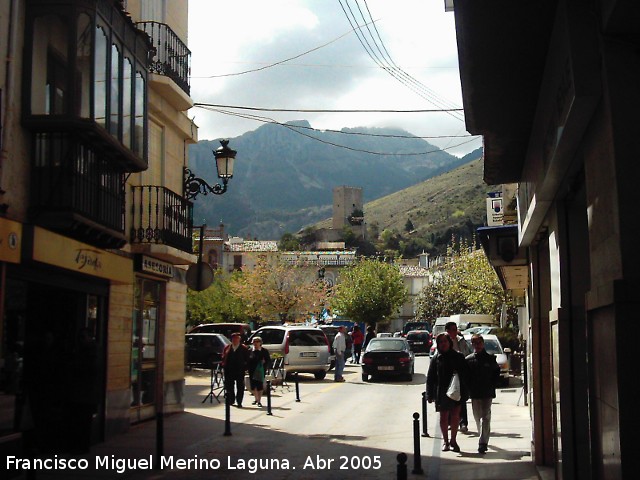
[{"x": 225, "y": 166}]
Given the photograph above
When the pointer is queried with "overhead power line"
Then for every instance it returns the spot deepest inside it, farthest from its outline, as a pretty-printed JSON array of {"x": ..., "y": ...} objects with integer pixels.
[
  {"x": 295, "y": 128},
  {"x": 311, "y": 110},
  {"x": 387, "y": 64}
]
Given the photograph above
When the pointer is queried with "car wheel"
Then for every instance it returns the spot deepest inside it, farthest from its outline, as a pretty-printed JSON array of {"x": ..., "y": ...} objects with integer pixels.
[
  {"x": 365, "y": 377},
  {"x": 320, "y": 375},
  {"x": 410, "y": 377}
]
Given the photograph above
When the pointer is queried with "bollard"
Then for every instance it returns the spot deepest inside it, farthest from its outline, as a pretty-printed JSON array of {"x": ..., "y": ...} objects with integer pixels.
[
  {"x": 425, "y": 427},
  {"x": 269, "y": 397},
  {"x": 227, "y": 414},
  {"x": 297, "y": 389},
  {"x": 401, "y": 469},
  {"x": 417, "y": 461}
]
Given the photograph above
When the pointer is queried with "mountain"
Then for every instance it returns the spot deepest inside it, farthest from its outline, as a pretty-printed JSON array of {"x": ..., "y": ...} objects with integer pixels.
[
  {"x": 283, "y": 179},
  {"x": 452, "y": 202}
]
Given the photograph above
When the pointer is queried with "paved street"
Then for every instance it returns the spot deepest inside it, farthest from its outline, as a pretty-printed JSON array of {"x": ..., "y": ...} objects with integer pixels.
[{"x": 337, "y": 430}]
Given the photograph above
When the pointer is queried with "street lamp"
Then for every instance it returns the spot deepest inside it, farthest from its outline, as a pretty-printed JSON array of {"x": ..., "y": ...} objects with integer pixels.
[{"x": 225, "y": 157}]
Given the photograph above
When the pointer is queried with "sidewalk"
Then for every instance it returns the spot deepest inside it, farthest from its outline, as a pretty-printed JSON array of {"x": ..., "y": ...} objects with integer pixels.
[{"x": 195, "y": 447}]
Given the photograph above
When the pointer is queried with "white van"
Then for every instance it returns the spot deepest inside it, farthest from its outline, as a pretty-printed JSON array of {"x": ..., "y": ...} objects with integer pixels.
[{"x": 464, "y": 321}]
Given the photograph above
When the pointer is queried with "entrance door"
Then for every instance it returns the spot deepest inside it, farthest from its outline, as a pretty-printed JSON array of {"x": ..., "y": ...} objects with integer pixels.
[{"x": 144, "y": 348}]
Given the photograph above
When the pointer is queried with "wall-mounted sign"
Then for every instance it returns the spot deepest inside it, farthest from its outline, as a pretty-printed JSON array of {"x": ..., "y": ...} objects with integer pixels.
[
  {"x": 153, "y": 266},
  {"x": 495, "y": 209},
  {"x": 10, "y": 240},
  {"x": 65, "y": 252}
]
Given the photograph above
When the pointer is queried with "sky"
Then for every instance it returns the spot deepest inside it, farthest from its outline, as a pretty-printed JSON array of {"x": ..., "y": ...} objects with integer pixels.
[{"x": 413, "y": 39}]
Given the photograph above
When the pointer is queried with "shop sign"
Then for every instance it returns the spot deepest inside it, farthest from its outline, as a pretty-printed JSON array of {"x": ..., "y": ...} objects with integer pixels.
[
  {"x": 64, "y": 252},
  {"x": 10, "y": 240},
  {"x": 153, "y": 266}
]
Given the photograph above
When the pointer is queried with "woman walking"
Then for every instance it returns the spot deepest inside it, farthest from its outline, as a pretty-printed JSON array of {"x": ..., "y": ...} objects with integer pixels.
[
  {"x": 441, "y": 370},
  {"x": 259, "y": 361}
]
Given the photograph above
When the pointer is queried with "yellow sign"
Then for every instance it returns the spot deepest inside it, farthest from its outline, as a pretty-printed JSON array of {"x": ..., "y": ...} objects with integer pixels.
[
  {"x": 10, "y": 240},
  {"x": 64, "y": 252}
]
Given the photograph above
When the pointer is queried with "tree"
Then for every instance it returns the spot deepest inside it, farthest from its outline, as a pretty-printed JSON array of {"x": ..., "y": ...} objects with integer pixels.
[
  {"x": 288, "y": 243},
  {"x": 369, "y": 291},
  {"x": 408, "y": 227},
  {"x": 465, "y": 284},
  {"x": 277, "y": 290},
  {"x": 217, "y": 303}
]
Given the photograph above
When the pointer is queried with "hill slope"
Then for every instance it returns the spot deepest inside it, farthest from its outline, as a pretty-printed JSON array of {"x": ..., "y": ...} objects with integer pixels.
[
  {"x": 453, "y": 202},
  {"x": 283, "y": 179}
]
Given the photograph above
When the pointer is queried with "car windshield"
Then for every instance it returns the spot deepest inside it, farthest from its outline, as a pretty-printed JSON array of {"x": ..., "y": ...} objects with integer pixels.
[
  {"x": 493, "y": 347},
  {"x": 385, "y": 345}
]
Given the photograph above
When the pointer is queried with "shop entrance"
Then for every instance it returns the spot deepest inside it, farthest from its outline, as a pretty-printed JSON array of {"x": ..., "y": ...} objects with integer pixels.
[{"x": 58, "y": 335}]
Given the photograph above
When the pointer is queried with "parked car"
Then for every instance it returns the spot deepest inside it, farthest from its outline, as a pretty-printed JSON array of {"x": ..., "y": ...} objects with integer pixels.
[
  {"x": 304, "y": 349},
  {"x": 203, "y": 350},
  {"x": 492, "y": 345},
  {"x": 387, "y": 357},
  {"x": 225, "y": 329},
  {"x": 419, "y": 341}
]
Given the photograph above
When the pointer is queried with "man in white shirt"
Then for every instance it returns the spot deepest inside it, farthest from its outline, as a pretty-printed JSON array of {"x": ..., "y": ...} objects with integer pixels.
[{"x": 339, "y": 347}]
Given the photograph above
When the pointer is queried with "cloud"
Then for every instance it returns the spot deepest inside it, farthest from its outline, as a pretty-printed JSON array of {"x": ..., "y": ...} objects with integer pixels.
[{"x": 231, "y": 37}]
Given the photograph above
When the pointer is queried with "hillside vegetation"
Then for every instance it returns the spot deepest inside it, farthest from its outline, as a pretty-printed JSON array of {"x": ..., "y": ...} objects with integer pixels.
[{"x": 426, "y": 215}]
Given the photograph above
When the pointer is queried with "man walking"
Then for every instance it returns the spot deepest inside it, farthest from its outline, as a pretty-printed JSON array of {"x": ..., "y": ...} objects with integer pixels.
[
  {"x": 459, "y": 345},
  {"x": 484, "y": 374},
  {"x": 339, "y": 346},
  {"x": 234, "y": 362}
]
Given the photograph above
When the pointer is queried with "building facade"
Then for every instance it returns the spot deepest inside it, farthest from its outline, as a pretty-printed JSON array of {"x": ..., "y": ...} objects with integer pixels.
[
  {"x": 96, "y": 231},
  {"x": 553, "y": 88}
]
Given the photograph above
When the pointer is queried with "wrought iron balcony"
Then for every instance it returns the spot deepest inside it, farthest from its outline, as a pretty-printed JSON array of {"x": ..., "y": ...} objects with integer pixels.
[
  {"x": 76, "y": 190},
  {"x": 173, "y": 58},
  {"x": 160, "y": 216}
]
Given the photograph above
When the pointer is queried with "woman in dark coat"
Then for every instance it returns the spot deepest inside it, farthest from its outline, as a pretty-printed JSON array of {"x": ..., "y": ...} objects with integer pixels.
[
  {"x": 441, "y": 369},
  {"x": 259, "y": 361}
]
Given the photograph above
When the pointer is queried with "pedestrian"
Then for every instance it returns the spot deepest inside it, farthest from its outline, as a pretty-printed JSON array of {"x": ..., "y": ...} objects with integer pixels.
[
  {"x": 484, "y": 374},
  {"x": 259, "y": 361},
  {"x": 234, "y": 363},
  {"x": 339, "y": 346},
  {"x": 371, "y": 333},
  {"x": 459, "y": 345},
  {"x": 441, "y": 370},
  {"x": 358, "y": 339}
]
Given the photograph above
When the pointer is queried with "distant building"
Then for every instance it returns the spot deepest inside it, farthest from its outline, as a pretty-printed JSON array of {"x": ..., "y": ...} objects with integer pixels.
[{"x": 348, "y": 211}]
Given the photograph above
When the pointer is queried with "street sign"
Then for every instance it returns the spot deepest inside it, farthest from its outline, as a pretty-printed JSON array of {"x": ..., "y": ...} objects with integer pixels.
[{"x": 205, "y": 273}]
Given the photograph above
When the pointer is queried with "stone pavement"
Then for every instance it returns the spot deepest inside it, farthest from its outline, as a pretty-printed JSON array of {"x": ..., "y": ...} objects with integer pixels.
[{"x": 195, "y": 447}]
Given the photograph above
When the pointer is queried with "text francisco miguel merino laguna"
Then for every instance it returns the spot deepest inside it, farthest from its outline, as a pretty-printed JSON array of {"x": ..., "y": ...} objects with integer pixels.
[{"x": 121, "y": 465}]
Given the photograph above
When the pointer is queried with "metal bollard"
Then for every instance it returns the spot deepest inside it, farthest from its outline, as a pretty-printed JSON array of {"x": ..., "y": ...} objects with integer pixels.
[
  {"x": 297, "y": 389},
  {"x": 269, "y": 397},
  {"x": 227, "y": 415},
  {"x": 425, "y": 427},
  {"x": 417, "y": 461},
  {"x": 401, "y": 469}
]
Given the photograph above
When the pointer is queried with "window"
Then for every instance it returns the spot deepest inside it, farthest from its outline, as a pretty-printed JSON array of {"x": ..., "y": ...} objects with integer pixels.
[
  {"x": 114, "y": 126},
  {"x": 100, "y": 79}
]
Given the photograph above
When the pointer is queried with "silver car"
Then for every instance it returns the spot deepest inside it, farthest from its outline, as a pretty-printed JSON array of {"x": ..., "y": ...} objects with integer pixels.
[{"x": 304, "y": 349}]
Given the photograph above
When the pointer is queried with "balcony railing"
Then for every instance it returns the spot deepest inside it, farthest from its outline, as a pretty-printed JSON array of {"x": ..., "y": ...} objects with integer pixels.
[
  {"x": 160, "y": 216},
  {"x": 77, "y": 191},
  {"x": 173, "y": 58}
]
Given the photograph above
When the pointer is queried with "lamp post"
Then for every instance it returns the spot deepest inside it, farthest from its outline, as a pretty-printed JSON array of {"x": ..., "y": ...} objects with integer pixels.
[{"x": 225, "y": 158}]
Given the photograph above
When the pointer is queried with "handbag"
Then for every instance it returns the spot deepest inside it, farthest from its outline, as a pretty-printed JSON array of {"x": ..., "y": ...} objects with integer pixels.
[{"x": 453, "y": 392}]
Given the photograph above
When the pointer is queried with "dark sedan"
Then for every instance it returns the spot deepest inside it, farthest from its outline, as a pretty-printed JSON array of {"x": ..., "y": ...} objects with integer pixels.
[
  {"x": 419, "y": 341},
  {"x": 204, "y": 350},
  {"x": 387, "y": 357}
]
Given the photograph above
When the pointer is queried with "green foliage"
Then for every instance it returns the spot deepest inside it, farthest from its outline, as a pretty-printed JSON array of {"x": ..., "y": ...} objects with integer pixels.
[
  {"x": 465, "y": 284},
  {"x": 369, "y": 291},
  {"x": 408, "y": 227},
  {"x": 348, "y": 236},
  {"x": 217, "y": 303},
  {"x": 289, "y": 243}
]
